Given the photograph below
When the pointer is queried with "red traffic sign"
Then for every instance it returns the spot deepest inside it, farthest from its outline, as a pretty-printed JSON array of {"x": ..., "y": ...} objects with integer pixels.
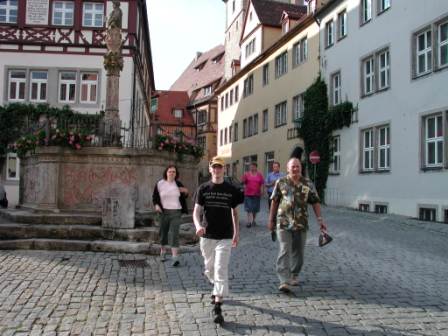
[{"x": 314, "y": 157}]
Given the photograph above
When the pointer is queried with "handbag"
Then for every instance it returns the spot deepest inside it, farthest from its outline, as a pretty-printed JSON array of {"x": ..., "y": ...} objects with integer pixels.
[{"x": 324, "y": 239}]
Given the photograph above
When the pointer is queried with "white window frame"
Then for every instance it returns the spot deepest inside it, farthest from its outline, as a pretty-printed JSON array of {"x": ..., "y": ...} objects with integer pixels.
[
  {"x": 90, "y": 85},
  {"x": 96, "y": 12},
  {"x": 369, "y": 77},
  {"x": 384, "y": 147},
  {"x": 9, "y": 6},
  {"x": 336, "y": 163},
  {"x": 436, "y": 140},
  {"x": 280, "y": 114},
  {"x": 425, "y": 53},
  {"x": 367, "y": 150},
  {"x": 442, "y": 44},
  {"x": 281, "y": 64},
  {"x": 8, "y": 167},
  {"x": 383, "y": 5},
  {"x": 336, "y": 88},
  {"x": 40, "y": 84},
  {"x": 383, "y": 69},
  {"x": 342, "y": 24},
  {"x": 207, "y": 91},
  {"x": 366, "y": 11},
  {"x": 178, "y": 113},
  {"x": 68, "y": 7},
  {"x": 68, "y": 83},
  {"x": 248, "y": 86},
  {"x": 265, "y": 120},
  {"x": 300, "y": 52},
  {"x": 18, "y": 83},
  {"x": 297, "y": 107},
  {"x": 250, "y": 48},
  {"x": 329, "y": 33}
]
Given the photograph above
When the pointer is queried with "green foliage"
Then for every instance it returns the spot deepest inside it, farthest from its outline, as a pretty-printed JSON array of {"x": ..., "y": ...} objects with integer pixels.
[
  {"x": 17, "y": 119},
  {"x": 316, "y": 127},
  {"x": 176, "y": 145}
]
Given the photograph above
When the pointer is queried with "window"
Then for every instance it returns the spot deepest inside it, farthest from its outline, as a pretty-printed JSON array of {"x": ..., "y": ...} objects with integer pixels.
[
  {"x": 93, "y": 14},
  {"x": 427, "y": 214},
  {"x": 380, "y": 208},
  {"x": 63, "y": 13},
  {"x": 235, "y": 133},
  {"x": 38, "y": 87},
  {"x": 445, "y": 219},
  {"x": 201, "y": 142},
  {"x": 250, "y": 126},
  {"x": 154, "y": 104},
  {"x": 329, "y": 33},
  {"x": 336, "y": 163},
  {"x": 384, "y": 70},
  {"x": 221, "y": 137},
  {"x": 376, "y": 154},
  {"x": 202, "y": 117},
  {"x": 255, "y": 124},
  {"x": 250, "y": 48},
  {"x": 336, "y": 89},
  {"x": 281, "y": 65},
  {"x": 424, "y": 52},
  {"x": 67, "y": 87},
  {"x": 265, "y": 74},
  {"x": 225, "y": 136},
  {"x": 236, "y": 93},
  {"x": 366, "y": 11},
  {"x": 433, "y": 140},
  {"x": 12, "y": 166},
  {"x": 300, "y": 52},
  {"x": 342, "y": 24},
  {"x": 364, "y": 207},
  {"x": 280, "y": 114},
  {"x": 268, "y": 162},
  {"x": 178, "y": 113},
  {"x": 230, "y": 133},
  {"x": 383, "y": 5},
  {"x": 231, "y": 97},
  {"x": 247, "y": 160},
  {"x": 89, "y": 87},
  {"x": 265, "y": 120},
  {"x": 248, "y": 86},
  {"x": 368, "y": 74},
  {"x": 8, "y": 11},
  {"x": 227, "y": 100},
  {"x": 17, "y": 83},
  {"x": 297, "y": 107},
  {"x": 207, "y": 90},
  {"x": 222, "y": 103},
  {"x": 245, "y": 129},
  {"x": 443, "y": 44},
  {"x": 367, "y": 148},
  {"x": 383, "y": 147}
]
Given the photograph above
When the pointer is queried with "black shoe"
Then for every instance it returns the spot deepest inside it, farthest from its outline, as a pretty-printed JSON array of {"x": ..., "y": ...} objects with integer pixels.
[
  {"x": 212, "y": 299},
  {"x": 217, "y": 314},
  {"x": 248, "y": 225}
]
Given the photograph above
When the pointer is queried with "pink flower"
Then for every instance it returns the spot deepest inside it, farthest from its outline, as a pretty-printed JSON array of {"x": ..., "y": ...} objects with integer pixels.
[{"x": 78, "y": 146}]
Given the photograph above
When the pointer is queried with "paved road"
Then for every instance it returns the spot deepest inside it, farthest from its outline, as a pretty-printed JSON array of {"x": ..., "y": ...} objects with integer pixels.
[{"x": 382, "y": 275}]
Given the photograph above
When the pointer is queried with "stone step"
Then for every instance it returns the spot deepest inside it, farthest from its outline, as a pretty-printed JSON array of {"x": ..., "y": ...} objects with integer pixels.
[
  {"x": 82, "y": 245},
  {"x": 10, "y": 231},
  {"x": 30, "y": 217}
]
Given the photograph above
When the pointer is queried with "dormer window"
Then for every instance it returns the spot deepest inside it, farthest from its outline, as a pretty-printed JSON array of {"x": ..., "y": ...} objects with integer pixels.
[
  {"x": 207, "y": 90},
  {"x": 200, "y": 66},
  {"x": 178, "y": 113},
  {"x": 217, "y": 58}
]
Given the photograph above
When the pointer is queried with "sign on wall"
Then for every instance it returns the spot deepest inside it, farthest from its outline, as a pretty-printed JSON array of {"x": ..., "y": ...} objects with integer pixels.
[{"x": 37, "y": 12}]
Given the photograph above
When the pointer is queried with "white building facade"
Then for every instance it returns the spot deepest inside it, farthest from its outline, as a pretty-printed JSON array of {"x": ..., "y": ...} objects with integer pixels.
[
  {"x": 390, "y": 59},
  {"x": 52, "y": 52}
]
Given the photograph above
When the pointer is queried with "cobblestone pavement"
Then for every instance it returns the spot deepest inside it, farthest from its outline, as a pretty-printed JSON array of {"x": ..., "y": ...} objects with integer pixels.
[{"x": 382, "y": 275}]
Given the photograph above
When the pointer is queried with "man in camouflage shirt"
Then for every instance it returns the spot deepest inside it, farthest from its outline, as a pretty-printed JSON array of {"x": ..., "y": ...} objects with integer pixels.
[{"x": 289, "y": 214}]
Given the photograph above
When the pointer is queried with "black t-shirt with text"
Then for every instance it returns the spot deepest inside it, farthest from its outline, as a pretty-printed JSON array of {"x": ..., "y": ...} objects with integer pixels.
[{"x": 218, "y": 200}]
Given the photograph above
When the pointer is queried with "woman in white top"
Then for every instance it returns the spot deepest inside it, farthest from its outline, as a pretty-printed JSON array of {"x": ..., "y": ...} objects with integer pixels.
[{"x": 169, "y": 198}]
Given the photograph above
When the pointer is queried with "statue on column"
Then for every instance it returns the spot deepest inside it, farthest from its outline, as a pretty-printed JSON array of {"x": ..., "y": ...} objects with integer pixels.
[{"x": 113, "y": 64}]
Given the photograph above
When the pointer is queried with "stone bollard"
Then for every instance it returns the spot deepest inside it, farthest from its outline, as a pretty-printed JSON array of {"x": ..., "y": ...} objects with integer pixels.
[{"x": 119, "y": 208}]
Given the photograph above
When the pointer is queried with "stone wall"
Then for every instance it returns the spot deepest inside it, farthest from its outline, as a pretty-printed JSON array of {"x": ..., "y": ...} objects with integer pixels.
[{"x": 60, "y": 179}]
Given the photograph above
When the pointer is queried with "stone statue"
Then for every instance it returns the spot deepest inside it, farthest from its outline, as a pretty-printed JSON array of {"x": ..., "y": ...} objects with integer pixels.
[{"x": 115, "y": 18}]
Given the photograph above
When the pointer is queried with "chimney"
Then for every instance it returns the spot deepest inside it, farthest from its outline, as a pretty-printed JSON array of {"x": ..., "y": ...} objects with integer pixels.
[{"x": 198, "y": 54}]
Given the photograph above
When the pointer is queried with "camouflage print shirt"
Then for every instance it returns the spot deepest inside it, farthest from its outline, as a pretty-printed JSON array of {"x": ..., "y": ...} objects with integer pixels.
[{"x": 292, "y": 213}]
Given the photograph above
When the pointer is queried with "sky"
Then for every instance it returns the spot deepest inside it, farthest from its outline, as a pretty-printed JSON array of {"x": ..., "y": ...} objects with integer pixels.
[{"x": 180, "y": 28}]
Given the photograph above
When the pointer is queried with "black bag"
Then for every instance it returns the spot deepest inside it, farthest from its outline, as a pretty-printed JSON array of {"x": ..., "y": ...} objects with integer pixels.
[{"x": 324, "y": 239}]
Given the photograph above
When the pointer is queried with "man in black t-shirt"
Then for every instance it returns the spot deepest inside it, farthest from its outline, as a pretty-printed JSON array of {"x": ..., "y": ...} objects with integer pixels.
[{"x": 216, "y": 220}]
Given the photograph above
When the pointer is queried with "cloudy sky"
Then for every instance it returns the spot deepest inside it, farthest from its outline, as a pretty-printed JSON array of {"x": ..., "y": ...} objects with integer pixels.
[{"x": 180, "y": 28}]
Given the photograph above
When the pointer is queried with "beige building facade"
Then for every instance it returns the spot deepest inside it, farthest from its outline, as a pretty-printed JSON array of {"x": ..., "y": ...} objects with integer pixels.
[{"x": 259, "y": 107}]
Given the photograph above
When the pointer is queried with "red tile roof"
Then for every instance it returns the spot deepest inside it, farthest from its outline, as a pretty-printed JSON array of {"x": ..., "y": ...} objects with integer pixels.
[
  {"x": 167, "y": 102},
  {"x": 207, "y": 69},
  {"x": 270, "y": 12}
]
